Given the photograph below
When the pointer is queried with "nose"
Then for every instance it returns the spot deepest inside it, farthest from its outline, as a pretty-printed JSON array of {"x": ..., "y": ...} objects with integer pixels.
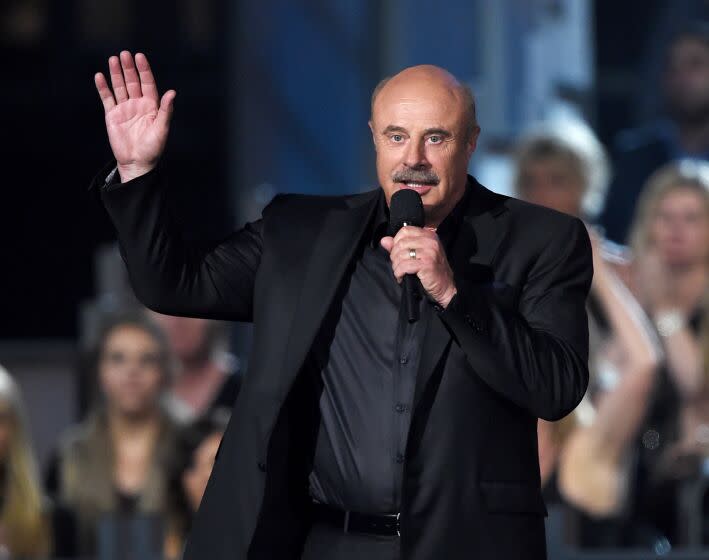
[{"x": 415, "y": 156}]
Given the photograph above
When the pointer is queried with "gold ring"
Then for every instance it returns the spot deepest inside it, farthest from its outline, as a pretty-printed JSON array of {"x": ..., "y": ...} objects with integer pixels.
[{"x": 412, "y": 253}]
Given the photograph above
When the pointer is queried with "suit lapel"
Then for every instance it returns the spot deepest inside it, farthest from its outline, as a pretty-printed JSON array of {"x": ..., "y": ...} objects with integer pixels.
[
  {"x": 482, "y": 229},
  {"x": 330, "y": 255}
]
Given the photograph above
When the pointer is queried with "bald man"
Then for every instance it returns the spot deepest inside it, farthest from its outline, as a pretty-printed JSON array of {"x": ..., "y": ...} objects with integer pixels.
[{"x": 358, "y": 434}]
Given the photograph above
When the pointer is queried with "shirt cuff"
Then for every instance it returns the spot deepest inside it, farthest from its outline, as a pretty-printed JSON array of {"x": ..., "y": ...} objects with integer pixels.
[{"x": 113, "y": 179}]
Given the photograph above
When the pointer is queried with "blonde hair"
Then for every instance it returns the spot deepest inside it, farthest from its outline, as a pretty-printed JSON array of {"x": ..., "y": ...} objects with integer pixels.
[
  {"x": 572, "y": 140},
  {"x": 673, "y": 176},
  {"x": 22, "y": 516}
]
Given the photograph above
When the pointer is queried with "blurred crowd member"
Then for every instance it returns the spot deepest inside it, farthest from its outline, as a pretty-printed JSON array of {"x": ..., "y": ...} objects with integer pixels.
[
  {"x": 684, "y": 133},
  {"x": 114, "y": 463},
  {"x": 197, "y": 451},
  {"x": 586, "y": 458},
  {"x": 208, "y": 374},
  {"x": 24, "y": 520},
  {"x": 670, "y": 243}
]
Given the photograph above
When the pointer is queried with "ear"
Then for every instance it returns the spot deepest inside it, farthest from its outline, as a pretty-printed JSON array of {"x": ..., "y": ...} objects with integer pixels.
[{"x": 473, "y": 141}]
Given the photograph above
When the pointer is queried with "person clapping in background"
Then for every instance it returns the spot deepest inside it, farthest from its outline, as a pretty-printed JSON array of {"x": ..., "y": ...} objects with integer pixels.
[
  {"x": 669, "y": 239},
  {"x": 586, "y": 458}
]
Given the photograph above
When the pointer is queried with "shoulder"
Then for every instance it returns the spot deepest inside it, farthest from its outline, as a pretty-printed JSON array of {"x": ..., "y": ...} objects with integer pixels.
[
  {"x": 294, "y": 203},
  {"x": 641, "y": 138},
  {"x": 534, "y": 221}
]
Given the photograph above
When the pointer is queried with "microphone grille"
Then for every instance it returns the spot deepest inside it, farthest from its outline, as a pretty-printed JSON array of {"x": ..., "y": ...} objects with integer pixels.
[{"x": 405, "y": 206}]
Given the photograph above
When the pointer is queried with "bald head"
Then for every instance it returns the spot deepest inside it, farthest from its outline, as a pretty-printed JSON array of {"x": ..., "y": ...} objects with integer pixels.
[
  {"x": 424, "y": 131},
  {"x": 431, "y": 80}
]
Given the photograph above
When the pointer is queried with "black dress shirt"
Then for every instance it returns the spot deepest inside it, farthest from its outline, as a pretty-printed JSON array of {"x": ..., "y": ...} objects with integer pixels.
[{"x": 362, "y": 367}]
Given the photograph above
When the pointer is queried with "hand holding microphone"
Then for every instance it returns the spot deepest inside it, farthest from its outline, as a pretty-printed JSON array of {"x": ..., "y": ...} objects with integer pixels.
[{"x": 416, "y": 251}]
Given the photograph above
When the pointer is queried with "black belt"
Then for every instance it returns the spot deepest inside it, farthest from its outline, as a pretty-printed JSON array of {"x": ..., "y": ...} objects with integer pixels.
[{"x": 355, "y": 522}]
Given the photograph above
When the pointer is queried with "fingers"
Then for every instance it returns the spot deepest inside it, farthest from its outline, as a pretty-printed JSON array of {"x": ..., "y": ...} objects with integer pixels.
[
  {"x": 413, "y": 232},
  {"x": 387, "y": 242},
  {"x": 147, "y": 80},
  {"x": 407, "y": 266},
  {"x": 129, "y": 78},
  {"x": 166, "y": 107},
  {"x": 117, "y": 82},
  {"x": 130, "y": 75},
  {"x": 104, "y": 92}
]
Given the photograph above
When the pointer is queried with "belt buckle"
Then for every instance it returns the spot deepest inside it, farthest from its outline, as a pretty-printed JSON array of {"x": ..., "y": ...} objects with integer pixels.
[{"x": 398, "y": 532}]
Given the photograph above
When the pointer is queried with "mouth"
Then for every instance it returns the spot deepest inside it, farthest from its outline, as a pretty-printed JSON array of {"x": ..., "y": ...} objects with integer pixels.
[{"x": 421, "y": 188}]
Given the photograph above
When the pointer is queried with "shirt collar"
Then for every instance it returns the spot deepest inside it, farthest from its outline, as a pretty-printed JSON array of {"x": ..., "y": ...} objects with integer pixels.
[{"x": 446, "y": 230}]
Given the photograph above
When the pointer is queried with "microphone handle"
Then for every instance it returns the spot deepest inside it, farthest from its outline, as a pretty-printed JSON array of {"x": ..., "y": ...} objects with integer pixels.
[{"x": 411, "y": 297}]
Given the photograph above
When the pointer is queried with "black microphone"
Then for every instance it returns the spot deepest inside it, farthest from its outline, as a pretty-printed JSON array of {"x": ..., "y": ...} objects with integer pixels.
[{"x": 406, "y": 209}]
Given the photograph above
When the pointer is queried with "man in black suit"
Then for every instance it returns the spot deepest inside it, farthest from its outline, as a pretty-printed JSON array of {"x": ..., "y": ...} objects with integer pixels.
[{"x": 359, "y": 434}]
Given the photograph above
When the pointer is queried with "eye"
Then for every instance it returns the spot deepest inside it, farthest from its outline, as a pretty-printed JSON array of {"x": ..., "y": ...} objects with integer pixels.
[
  {"x": 397, "y": 138},
  {"x": 435, "y": 139}
]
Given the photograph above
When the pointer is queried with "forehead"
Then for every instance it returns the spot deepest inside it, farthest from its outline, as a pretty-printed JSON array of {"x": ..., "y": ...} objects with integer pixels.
[
  {"x": 129, "y": 335},
  {"x": 418, "y": 105},
  {"x": 682, "y": 196}
]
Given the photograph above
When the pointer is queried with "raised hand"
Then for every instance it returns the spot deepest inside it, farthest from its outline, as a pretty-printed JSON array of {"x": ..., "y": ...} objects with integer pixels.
[{"x": 137, "y": 119}]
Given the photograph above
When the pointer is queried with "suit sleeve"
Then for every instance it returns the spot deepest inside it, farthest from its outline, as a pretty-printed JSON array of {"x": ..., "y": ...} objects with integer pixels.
[
  {"x": 536, "y": 355},
  {"x": 172, "y": 275}
]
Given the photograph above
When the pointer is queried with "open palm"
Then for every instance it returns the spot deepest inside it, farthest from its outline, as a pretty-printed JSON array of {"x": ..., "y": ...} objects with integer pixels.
[{"x": 137, "y": 119}]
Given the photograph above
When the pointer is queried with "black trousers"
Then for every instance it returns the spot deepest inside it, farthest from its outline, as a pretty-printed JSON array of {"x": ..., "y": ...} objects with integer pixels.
[{"x": 326, "y": 542}]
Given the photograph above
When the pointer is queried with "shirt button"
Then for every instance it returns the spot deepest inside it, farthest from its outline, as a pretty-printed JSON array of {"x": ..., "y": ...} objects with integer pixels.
[
  {"x": 400, "y": 407},
  {"x": 399, "y": 457},
  {"x": 403, "y": 360}
]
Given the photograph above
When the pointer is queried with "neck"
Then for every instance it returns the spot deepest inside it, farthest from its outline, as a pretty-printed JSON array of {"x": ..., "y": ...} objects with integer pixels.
[
  {"x": 121, "y": 424},
  {"x": 689, "y": 282}
]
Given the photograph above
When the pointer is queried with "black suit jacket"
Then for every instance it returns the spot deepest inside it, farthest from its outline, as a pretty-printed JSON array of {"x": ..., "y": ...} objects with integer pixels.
[{"x": 514, "y": 348}]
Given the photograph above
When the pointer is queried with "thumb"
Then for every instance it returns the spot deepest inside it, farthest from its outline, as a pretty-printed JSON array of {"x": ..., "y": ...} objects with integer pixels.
[
  {"x": 166, "y": 107},
  {"x": 387, "y": 242}
]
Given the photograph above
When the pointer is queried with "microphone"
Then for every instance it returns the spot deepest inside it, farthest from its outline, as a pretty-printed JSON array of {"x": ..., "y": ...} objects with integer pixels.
[{"x": 406, "y": 209}]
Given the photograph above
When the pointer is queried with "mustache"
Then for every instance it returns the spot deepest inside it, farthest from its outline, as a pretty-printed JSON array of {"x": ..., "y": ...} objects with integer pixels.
[{"x": 426, "y": 176}]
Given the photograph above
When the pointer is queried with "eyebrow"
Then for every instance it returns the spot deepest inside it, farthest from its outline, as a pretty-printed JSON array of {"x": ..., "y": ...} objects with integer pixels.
[{"x": 439, "y": 131}]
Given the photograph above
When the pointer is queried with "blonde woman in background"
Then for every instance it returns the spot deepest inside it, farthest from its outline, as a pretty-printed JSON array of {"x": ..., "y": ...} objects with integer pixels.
[
  {"x": 586, "y": 458},
  {"x": 669, "y": 239},
  {"x": 24, "y": 522}
]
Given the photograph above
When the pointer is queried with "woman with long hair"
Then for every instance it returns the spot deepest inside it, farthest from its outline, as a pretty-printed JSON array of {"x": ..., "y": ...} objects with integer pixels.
[
  {"x": 115, "y": 462},
  {"x": 669, "y": 239},
  {"x": 24, "y": 526}
]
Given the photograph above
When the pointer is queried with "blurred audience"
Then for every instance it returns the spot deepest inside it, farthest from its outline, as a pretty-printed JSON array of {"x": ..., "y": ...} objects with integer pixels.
[
  {"x": 208, "y": 374},
  {"x": 114, "y": 462},
  {"x": 197, "y": 451},
  {"x": 670, "y": 243},
  {"x": 586, "y": 458},
  {"x": 683, "y": 133},
  {"x": 24, "y": 515}
]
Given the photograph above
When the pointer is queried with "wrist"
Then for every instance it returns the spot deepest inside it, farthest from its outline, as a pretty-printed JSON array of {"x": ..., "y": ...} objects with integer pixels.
[
  {"x": 132, "y": 171},
  {"x": 446, "y": 299},
  {"x": 668, "y": 320}
]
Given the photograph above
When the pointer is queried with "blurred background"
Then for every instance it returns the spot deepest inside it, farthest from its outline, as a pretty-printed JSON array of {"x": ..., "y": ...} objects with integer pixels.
[{"x": 599, "y": 109}]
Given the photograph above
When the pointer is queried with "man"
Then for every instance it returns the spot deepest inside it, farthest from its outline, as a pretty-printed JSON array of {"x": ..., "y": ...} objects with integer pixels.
[
  {"x": 684, "y": 133},
  {"x": 357, "y": 434}
]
